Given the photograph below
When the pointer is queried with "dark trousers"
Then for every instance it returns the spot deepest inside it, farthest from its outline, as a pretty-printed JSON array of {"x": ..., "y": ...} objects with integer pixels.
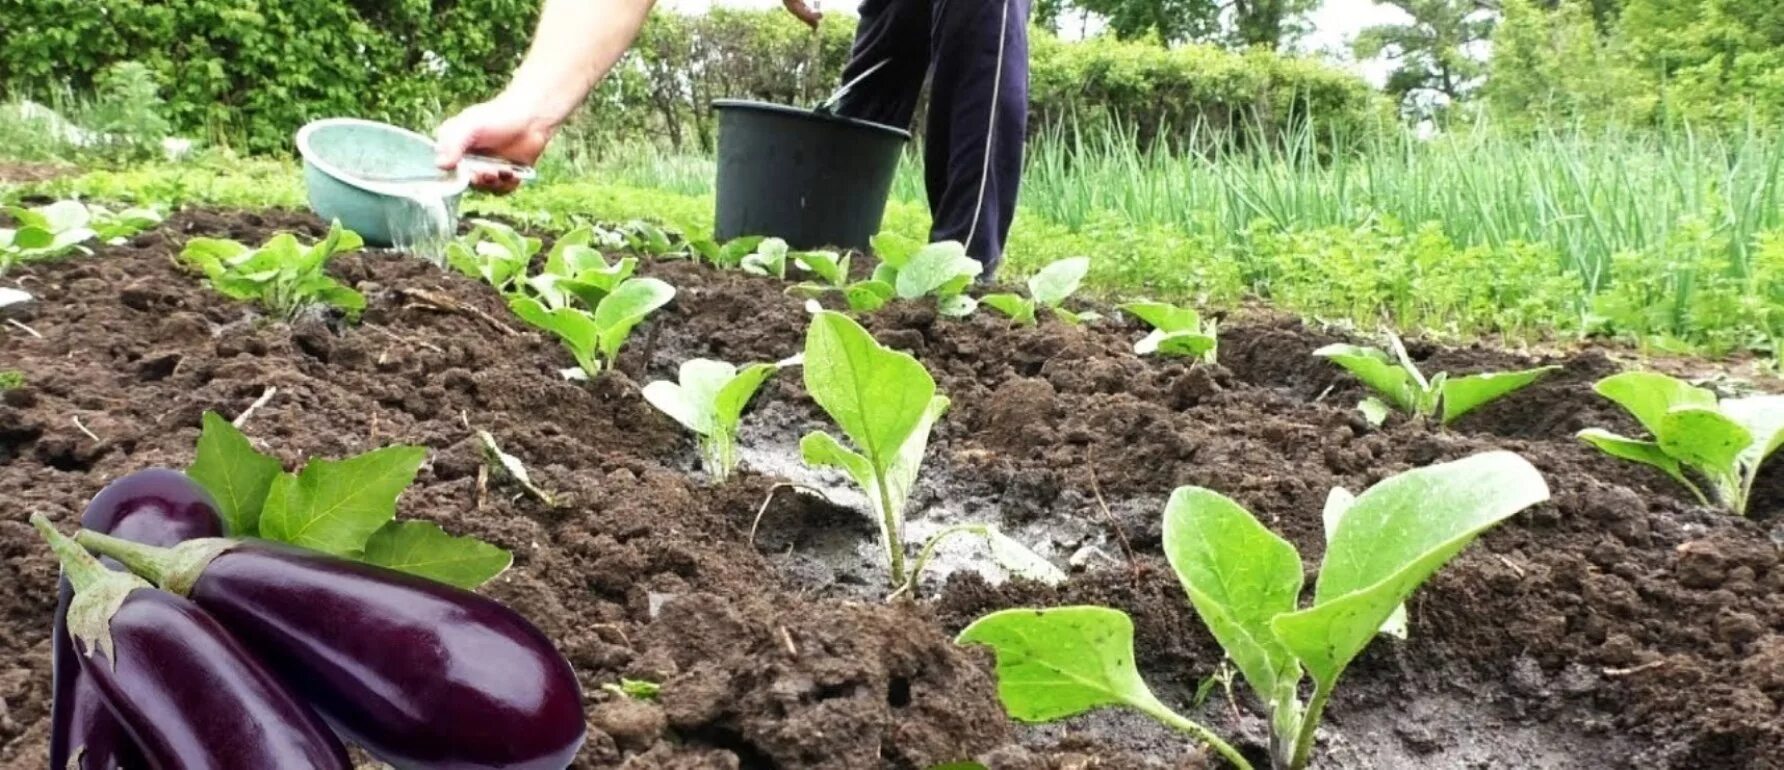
[{"x": 976, "y": 54}]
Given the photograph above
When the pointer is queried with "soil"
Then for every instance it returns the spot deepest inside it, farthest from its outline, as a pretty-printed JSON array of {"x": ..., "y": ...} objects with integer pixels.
[{"x": 1617, "y": 626}]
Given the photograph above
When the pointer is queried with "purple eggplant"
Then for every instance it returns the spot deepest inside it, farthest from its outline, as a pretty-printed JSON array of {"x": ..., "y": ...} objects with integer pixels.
[
  {"x": 156, "y": 507},
  {"x": 189, "y": 694},
  {"x": 419, "y": 673}
]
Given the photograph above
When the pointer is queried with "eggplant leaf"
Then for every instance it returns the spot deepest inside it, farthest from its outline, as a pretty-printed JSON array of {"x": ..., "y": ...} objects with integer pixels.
[
  {"x": 423, "y": 548},
  {"x": 942, "y": 269},
  {"x": 1058, "y": 280},
  {"x": 236, "y": 474},
  {"x": 1465, "y": 394},
  {"x": 1239, "y": 576},
  {"x": 334, "y": 506},
  {"x": 709, "y": 400},
  {"x": 1390, "y": 541},
  {"x": 1378, "y": 371},
  {"x": 1057, "y": 663}
]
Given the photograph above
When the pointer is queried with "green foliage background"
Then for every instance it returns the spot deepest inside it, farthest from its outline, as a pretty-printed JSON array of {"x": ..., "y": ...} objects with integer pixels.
[{"x": 249, "y": 72}]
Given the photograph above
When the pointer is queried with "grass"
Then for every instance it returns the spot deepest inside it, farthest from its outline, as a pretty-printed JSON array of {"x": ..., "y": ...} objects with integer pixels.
[
  {"x": 11, "y": 379},
  {"x": 1672, "y": 241}
]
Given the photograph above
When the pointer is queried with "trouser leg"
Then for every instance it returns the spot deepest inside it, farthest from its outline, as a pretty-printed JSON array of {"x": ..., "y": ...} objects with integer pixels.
[
  {"x": 896, "y": 32},
  {"x": 978, "y": 118}
]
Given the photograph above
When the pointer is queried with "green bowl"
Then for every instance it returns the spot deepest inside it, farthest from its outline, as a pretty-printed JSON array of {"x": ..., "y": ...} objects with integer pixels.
[{"x": 364, "y": 173}]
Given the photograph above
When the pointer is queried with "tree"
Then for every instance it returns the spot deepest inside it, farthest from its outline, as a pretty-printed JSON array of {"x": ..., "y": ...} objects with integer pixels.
[
  {"x": 1270, "y": 23},
  {"x": 1551, "y": 65},
  {"x": 1241, "y": 23},
  {"x": 1434, "y": 52}
]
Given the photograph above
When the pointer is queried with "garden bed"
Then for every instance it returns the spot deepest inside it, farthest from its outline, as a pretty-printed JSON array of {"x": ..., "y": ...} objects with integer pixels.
[{"x": 1616, "y": 626}]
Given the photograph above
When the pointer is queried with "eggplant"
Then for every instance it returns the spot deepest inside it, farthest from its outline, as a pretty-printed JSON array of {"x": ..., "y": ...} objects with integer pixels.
[
  {"x": 188, "y": 693},
  {"x": 421, "y": 674},
  {"x": 156, "y": 507}
]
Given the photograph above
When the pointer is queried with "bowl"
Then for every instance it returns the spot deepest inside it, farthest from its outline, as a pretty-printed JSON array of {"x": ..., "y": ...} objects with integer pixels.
[{"x": 368, "y": 175}]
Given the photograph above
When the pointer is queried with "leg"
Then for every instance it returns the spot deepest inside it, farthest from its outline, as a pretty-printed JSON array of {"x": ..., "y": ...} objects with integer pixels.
[
  {"x": 896, "y": 32},
  {"x": 978, "y": 118}
]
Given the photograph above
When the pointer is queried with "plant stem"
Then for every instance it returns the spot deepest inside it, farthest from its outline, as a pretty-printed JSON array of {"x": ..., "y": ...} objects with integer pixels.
[
  {"x": 1309, "y": 723},
  {"x": 894, "y": 535},
  {"x": 82, "y": 569},
  {"x": 928, "y": 551},
  {"x": 1184, "y": 724},
  {"x": 150, "y": 562}
]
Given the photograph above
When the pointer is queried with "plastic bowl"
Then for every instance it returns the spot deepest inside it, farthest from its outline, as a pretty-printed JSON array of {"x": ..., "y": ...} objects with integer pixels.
[{"x": 357, "y": 171}]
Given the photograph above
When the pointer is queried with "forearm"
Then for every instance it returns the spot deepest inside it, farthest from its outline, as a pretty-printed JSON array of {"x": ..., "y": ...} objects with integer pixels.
[{"x": 576, "y": 44}]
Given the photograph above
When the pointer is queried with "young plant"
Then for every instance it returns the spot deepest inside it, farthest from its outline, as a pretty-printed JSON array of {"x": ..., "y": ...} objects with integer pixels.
[
  {"x": 942, "y": 270},
  {"x": 1048, "y": 289},
  {"x": 832, "y": 271},
  {"x": 1245, "y": 583},
  {"x": 114, "y": 227},
  {"x": 594, "y": 338},
  {"x": 342, "y": 507},
  {"x": 284, "y": 276},
  {"x": 1404, "y": 387},
  {"x": 45, "y": 232},
  {"x": 709, "y": 401},
  {"x": 576, "y": 269},
  {"x": 728, "y": 256},
  {"x": 1176, "y": 331},
  {"x": 648, "y": 240},
  {"x": 885, "y": 402},
  {"x": 1723, "y": 442},
  {"x": 494, "y": 253},
  {"x": 769, "y": 259}
]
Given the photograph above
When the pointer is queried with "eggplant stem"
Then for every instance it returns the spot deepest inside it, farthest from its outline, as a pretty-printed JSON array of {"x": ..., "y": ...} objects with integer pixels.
[
  {"x": 147, "y": 561},
  {"x": 83, "y": 569}
]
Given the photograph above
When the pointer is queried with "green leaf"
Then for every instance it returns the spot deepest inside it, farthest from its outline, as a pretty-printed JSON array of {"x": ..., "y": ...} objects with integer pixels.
[
  {"x": 62, "y": 216},
  {"x": 732, "y": 253},
  {"x": 32, "y": 238},
  {"x": 820, "y": 449},
  {"x": 876, "y": 395},
  {"x": 1645, "y": 452},
  {"x": 1375, "y": 411},
  {"x": 1188, "y": 344},
  {"x": 827, "y": 266},
  {"x": 211, "y": 251},
  {"x": 692, "y": 401},
  {"x": 1648, "y": 396},
  {"x": 956, "y": 305},
  {"x": 1019, "y": 559},
  {"x": 1391, "y": 540},
  {"x": 334, "y": 506},
  {"x": 1164, "y": 316},
  {"x": 1465, "y": 394},
  {"x": 625, "y": 308},
  {"x": 1239, "y": 576},
  {"x": 237, "y": 475},
  {"x": 934, "y": 267},
  {"x": 893, "y": 250},
  {"x": 1703, "y": 438},
  {"x": 1378, "y": 371},
  {"x": 1056, "y": 663},
  {"x": 1763, "y": 418},
  {"x": 770, "y": 259},
  {"x": 1057, "y": 281},
  {"x": 868, "y": 296},
  {"x": 1018, "y": 309},
  {"x": 574, "y": 326},
  {"x": 1338, "y": 503},
  {"x": 423, "y": 548},
  {"x": 729, "y": 404}
]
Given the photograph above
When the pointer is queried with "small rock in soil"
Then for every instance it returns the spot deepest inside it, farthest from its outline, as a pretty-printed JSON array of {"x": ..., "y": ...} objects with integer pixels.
[{"x": 634, "y": 725}]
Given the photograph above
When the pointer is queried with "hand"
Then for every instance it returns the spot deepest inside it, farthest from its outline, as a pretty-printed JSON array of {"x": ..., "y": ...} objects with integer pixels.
[
  {"x": 804, "y": 12},
  {"x": 503, "y": 128}
]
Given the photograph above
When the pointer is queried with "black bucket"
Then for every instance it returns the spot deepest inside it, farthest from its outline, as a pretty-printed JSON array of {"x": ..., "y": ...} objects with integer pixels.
[{"x": 814, "y": 180}]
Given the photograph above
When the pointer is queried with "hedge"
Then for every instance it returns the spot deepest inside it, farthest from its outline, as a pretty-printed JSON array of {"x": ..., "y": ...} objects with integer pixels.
[{"x": 250, "y": 71}]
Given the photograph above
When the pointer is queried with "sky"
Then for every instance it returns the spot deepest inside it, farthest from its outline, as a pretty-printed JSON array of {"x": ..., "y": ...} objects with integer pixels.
[{"x": 1333, "y": 24}]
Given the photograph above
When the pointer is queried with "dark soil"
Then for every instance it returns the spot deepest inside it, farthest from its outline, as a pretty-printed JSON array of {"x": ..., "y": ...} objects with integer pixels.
[{"x": 1617, "y": 626}]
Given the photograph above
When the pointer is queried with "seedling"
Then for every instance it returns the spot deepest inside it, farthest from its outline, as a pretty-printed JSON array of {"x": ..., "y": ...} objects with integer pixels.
[
  {"x": 634, "y": 689},
  {"x": 1245, "y": 584},
  {"x": 1176, "y": 331},
  {"x": 942, "y": 270},
  {"x": 1723, "y": 442},
  {"x": 728, "y": 256},
  {"x": 112, "y": 228},
  {"x": 494, "y": 253},
  {"x": 1404, "y": 387},
  {"x": 832, "y": 271},
  {"x": 769, "y": 259},
  {"x": 284, "y": 276},
  {"x": 1048, "y": 289},
  {"x": 343, "y": 507},
  {"x": 45, "y": 232},
  {"x": 11, "y": 380},
  {"x": 885, "y": 402},
  {"x": 709, "y": 401},
  {"x": 575, "y": 269},
  {"x": 594, "y": 338},
  {"x": 648, "y": 240}
]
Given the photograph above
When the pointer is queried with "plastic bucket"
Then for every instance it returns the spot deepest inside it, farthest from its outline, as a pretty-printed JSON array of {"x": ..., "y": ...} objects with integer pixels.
[{"x": 814, "y": 180}]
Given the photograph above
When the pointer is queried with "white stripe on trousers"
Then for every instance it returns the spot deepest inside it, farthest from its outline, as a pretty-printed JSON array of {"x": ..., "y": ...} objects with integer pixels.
[{"x": 1003, "y": 38}]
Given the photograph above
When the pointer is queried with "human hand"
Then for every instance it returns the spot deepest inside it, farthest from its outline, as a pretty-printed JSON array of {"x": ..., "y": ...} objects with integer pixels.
[
  {"x": 804, "y": 12},
  {"x": 501, "y": 128}
]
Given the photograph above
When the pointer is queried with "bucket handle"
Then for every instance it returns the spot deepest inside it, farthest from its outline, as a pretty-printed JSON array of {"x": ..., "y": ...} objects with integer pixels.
[{"x": 828, "y": 106}]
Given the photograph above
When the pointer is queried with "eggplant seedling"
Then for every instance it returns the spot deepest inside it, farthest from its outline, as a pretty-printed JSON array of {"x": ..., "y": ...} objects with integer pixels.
[
  {"x": 709, "y": 400},
  {"x": 594, "y": 338},
  {"x": 45, "y": 232},
  {"x": 494, "y": 253},
  {"x": 942, "y": 270},
  {"x": 832, "y": 271},
  {"x": 576, "y": 269},
  {"x": 283, "y": 275},
  {"x": 1245, "y": 583},
  {"x": 1404, "y": 387},
  {"x": 885, "y": 402},
  {"x": 769, "y": 259},
  {"x": 1048, "y": 289},
  {"x": 647, "y": 240},
  {"x": 1723, "y": 441},
  {"x": 726, "y": 256},
  {"x": 1176, "y": 331}
]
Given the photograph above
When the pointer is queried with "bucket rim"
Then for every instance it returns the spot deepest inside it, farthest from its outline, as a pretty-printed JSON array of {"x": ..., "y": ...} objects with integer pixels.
[
  {"x": 457, "y": 185},
  {"x": 805, "y": 114}
]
